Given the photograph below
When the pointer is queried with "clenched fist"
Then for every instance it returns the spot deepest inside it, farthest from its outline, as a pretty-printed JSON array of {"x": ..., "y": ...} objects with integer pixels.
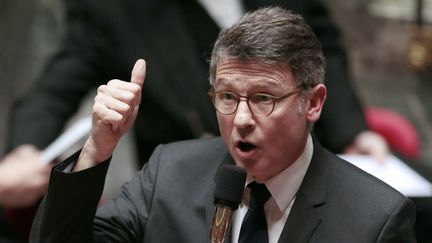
[{"x": 114, "y": 111}]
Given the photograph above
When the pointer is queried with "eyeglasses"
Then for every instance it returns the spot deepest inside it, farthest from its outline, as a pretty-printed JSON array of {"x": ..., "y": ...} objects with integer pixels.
[{"x": 226, "y": 102}]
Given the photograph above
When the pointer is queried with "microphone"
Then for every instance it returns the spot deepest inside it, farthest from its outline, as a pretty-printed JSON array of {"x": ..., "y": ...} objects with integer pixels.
[{"x": 230, "y": 182}]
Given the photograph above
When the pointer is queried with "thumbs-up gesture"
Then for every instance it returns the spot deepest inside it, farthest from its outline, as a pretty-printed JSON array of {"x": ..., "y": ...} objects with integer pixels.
[{"x": 114, "y": 111}]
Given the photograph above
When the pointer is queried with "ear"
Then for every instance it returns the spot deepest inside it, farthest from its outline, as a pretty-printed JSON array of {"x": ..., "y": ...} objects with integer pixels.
[{"x": 316, "y": 101}]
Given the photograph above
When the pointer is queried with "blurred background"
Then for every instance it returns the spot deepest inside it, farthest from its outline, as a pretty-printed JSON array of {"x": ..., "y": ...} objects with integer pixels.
[{"x": 389, "y": 43}]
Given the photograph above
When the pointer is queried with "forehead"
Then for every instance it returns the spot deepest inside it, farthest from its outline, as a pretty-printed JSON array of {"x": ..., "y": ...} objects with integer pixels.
[{"x": 254, "y": 71}]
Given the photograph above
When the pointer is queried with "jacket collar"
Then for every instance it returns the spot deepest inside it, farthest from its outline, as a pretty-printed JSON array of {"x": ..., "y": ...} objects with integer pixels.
[{"x": 305, "y": 215}]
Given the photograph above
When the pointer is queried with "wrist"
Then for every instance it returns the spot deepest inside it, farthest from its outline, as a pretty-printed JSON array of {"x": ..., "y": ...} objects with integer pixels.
[{"x": 91, "y": 155}]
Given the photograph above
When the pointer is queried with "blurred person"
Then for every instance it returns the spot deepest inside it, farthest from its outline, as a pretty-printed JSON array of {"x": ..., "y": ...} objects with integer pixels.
[
  {"x": 23, "y": 181},
  {"x": 103, "y": 40},
  {"x": 23, "y": 177},
  {"x": 267, "y": 76}
]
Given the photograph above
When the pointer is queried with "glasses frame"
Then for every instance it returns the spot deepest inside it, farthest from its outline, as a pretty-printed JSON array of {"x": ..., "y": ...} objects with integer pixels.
[{"x": 212, "y": 94}]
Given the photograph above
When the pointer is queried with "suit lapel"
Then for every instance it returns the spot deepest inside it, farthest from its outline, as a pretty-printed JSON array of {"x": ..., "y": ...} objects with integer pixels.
[
  {"x": 305, "y": 218},
  {"x": 302, "y": 222}
]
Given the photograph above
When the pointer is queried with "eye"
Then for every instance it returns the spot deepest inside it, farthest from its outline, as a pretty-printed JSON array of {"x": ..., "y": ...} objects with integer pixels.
[
  {"x": 261, "y": 99},
  {"x": 227, "y": 96}
]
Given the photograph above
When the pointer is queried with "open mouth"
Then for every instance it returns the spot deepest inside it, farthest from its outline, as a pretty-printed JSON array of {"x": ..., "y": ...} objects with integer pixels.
[{"x": 245, "y": 147}]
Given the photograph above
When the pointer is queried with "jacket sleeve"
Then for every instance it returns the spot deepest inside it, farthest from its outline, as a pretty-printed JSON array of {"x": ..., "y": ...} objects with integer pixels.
[
  {"x": 69, "y": 211},
  {"x": 124, "y": 218}
]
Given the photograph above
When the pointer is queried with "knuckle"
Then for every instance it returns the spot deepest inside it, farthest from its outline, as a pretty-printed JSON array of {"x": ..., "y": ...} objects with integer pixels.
[
  {"x": 117, "y": 118},
  {"x": 125, "y": 108},
  {"x": 135, "y": 88},
  {"x": 102, "y": 88},
  {"x": 128, "y": 96},
  {"x": 97, "y": 99},
  {"x": 96, "y": 106},
  {"x": 113, "y": 82}
]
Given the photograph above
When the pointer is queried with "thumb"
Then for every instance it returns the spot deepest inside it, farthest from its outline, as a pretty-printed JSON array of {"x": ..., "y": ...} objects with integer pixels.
[{"x": 139, "y": 72}]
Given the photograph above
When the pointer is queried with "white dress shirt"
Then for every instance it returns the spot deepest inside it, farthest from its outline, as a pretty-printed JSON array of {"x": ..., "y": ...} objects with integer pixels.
[{"x": 283, "y": 188}]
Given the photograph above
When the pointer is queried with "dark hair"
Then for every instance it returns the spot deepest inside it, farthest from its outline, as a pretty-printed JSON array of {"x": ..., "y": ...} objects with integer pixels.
[{"x": 273, "y": 34}]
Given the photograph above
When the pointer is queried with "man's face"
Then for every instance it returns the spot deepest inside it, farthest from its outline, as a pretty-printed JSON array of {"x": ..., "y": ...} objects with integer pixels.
[{"x": 263, "y": 145}]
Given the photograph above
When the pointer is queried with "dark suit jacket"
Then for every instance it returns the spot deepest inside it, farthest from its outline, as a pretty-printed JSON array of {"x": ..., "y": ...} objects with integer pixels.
[
  {"x": 170, "y": 200},
  {"x": 102, "y": 41}
]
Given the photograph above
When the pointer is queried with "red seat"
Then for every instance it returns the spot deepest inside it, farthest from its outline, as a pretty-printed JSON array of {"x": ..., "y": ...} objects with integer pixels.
[{"x": 398, "y": 131}]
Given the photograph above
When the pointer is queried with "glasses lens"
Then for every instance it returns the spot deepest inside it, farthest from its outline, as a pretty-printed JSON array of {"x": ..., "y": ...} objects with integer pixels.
[
  {"x": 225, "y": 102},
  {"x": 261, "y": 104}
]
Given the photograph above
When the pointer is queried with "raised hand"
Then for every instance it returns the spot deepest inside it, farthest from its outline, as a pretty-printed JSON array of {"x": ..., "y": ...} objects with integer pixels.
[{"x": 114, "y": 111}]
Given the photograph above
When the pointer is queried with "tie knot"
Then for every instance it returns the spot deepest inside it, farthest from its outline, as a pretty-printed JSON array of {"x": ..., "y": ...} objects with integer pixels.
[{"x": 259, "y": 194}]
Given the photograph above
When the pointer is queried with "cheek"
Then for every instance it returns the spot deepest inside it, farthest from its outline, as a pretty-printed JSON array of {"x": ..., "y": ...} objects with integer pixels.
[
  {"x": 286, "y": 127},
  {"x": 224, "y": 125}
]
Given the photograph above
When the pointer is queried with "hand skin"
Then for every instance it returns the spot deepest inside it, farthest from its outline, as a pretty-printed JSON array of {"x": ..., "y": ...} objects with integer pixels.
[
  {"x": 23, "y": 177},
  {"x": 114, "y": 111},
  {"x": 369, "y": 143}
]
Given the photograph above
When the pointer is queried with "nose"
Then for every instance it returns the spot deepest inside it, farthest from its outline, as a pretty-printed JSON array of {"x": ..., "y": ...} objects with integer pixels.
[{"x": 243, "y": 116}]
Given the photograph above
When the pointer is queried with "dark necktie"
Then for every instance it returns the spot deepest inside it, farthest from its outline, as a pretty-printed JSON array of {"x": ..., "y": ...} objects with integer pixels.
[{"x": 254, "y": 226}]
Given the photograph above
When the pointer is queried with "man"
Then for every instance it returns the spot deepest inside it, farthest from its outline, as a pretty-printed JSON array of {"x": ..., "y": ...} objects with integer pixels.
[{"x": 267, "y": 74}]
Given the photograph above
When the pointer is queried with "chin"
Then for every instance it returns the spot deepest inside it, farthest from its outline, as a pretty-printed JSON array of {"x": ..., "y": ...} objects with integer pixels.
[
  {"x": 254, "y": 169},
  {"x": 259, "y": 177}
]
